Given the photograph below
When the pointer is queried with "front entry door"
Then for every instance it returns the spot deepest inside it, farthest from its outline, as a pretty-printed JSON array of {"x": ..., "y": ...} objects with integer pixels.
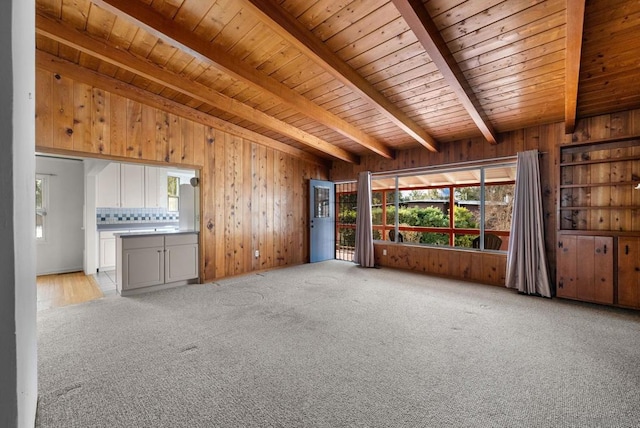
[{"x": 322, "y": 221}]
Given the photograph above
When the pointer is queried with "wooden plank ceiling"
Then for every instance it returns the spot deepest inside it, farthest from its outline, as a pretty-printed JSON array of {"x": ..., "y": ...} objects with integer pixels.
[{"x": 346, "y": 78}]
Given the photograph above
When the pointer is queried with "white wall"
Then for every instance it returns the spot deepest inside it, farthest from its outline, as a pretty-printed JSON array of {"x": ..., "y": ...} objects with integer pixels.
[
  {"x": 18, "y": 356},
  {"x": 62, "y": 248},
  {"x": 8, "y": 297},
  {"x": 92, "y": 168}
]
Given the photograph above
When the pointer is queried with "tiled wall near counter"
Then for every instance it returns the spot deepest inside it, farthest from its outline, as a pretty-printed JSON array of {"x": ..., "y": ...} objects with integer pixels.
[{"x": 135, "y": 215}]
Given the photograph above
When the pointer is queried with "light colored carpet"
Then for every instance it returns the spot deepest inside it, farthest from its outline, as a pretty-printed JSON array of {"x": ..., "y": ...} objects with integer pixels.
[{"x": 334, "y": 345}]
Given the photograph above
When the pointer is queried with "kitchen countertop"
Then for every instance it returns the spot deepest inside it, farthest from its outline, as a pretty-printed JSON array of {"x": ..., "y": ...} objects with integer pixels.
[
  {"x": 133, "y": 226},
  {"x": 158, "y": 232}
]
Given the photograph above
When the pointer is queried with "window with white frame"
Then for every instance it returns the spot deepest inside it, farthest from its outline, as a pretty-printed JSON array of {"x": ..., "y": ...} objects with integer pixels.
[{"x": 173, "y": 193}]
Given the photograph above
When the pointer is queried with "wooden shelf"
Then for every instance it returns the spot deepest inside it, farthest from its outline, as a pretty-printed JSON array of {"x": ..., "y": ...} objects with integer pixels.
[
  {"x": 596, "y": 161},
  {"x": 586, "y": 208},
  {"x": 598, "y": 232},
  {"x": 592, "y": 210},
  {"x": 600, "y": 144},
  {"x": 609, "y": 184}
]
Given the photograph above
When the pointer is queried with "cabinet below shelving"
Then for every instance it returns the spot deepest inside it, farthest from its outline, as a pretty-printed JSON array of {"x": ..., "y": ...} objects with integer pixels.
[
  {"x": 628, "y": 294},
  {"x": 599, "y": 269},
  {"x": 585, "y": 268}
]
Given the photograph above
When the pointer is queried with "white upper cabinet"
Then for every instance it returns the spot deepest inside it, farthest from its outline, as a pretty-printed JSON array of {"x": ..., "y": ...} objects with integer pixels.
[
  {"x": 155, "y": 187},
  {"x": 132, "y": 186},
  {"x": 108, "y": 195}
]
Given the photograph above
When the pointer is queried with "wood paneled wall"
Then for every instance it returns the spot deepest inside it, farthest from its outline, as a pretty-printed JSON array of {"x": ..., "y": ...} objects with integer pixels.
[
  {"x": 253, "y": 197},
  {"x": 75, "y": 117},
  {"x": 545, "y": 138},
  {"x": 486, "y": 268}
]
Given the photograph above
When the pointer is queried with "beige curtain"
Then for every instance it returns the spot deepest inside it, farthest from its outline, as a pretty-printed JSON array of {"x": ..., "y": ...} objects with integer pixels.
[
  {"x": 526, "y": 259},
  {"x": 364, "y": 233}
]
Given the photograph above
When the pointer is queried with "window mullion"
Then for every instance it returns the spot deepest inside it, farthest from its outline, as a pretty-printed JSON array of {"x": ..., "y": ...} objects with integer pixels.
[
  {"x": 397, "y": 203},
  {"x": 384, "y": 215},
  {"x": 482, "y": 207},
  {"x": 452, "y": 201}
]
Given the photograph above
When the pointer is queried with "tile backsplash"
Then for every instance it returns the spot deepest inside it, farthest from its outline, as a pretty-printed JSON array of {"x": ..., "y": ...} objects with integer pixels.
[{"x": 135, "y": 215}]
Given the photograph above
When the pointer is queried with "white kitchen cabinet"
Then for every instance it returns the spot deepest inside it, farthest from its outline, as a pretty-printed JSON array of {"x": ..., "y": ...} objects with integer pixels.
[
  {"x": 107, "y": 251},
  {"x": 120, "y": 186},
  {"x": 155, "y": 187},
  {"x": 108, "y": 182},
  {"x": 181, "y": 257},
  {"x": 146, "y": 262},
  {"x": 131, "y": 186}
]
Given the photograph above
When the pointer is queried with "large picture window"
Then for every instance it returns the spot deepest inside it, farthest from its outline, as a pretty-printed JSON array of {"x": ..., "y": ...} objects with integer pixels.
[{"x": 467, "y": 207}]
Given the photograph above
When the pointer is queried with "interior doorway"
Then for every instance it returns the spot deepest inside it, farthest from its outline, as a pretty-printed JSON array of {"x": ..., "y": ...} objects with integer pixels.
[{"x": 59, "y": 215}]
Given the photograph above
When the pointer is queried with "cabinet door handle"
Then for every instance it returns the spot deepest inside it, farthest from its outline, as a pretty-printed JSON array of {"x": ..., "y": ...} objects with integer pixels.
[
  {"x": 626, "y": 250},
  {"x": 605, "y": 248}
]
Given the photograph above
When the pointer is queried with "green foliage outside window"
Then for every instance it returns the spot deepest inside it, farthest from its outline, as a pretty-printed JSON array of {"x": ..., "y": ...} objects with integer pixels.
[
  {"x": 40, "y": 208},
  {"x": 173, "y": 193},
  {"x": 39, "y": 193},
  {"x": 415, "y": 217}
]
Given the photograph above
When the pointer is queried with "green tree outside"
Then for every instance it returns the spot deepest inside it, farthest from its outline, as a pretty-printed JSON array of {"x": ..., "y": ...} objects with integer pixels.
[{"x": 415, "y": 217}]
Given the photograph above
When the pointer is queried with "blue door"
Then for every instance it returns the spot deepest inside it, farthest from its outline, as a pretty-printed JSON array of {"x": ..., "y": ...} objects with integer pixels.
[{"x": 322, "y": 211}]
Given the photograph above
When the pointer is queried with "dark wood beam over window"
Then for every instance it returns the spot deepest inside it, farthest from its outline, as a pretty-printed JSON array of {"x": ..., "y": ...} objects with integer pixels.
[{"x": 422, "y": 25}]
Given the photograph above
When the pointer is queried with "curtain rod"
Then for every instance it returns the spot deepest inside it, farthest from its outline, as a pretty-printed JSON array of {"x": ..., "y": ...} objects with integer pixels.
[
  {"x": 491, "y": 161},
  {"x": 455, "y": 165}
]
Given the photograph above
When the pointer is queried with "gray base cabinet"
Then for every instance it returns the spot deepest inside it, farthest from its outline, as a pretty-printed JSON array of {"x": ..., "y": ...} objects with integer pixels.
[
  {"x": 148, "y": 262},
  {"x": 181, "y": 257}
]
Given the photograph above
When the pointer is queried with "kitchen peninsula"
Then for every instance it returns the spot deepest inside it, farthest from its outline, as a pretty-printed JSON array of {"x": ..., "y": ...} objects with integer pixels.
[{"x": 147, "y": 261}]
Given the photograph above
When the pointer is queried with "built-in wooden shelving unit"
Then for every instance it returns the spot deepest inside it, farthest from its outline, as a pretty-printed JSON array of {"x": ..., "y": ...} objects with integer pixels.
[
  {"x": 596, "y": 186},
  {"x": 598, "y": 248}
]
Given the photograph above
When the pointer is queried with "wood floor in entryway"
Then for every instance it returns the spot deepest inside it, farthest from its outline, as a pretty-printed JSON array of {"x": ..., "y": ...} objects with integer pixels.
[{"x": 66, "y": 289}]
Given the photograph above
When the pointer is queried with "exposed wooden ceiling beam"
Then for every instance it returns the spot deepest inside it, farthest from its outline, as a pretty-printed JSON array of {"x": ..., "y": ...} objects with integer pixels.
[
  {"x": 63, "y": 67},
  {"x": 289, "y": 28},
  {"x": 167, "y": 30},
  {"x": 414, "y": 12},
  {"x": 68, "y": 36},
  {"x": 575, "y": 24}
]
